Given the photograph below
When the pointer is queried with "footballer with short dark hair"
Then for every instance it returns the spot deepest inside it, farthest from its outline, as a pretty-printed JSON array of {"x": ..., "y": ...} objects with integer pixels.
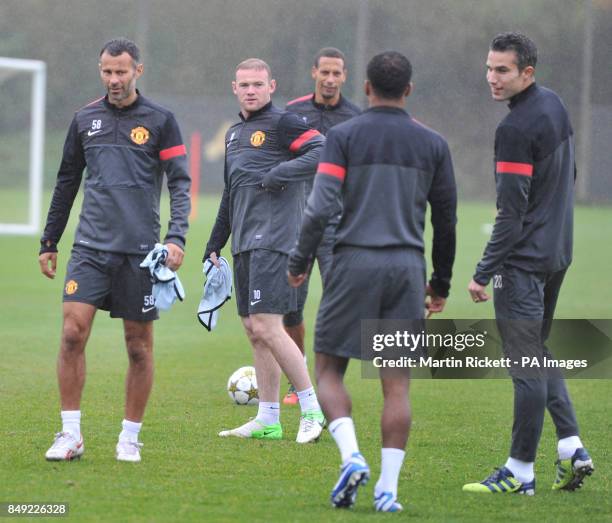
[{"x": 387, "y": 168}]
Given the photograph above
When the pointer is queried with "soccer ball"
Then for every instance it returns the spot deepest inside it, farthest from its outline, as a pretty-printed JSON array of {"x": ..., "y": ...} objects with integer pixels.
[{"x": 242, "y": 386}]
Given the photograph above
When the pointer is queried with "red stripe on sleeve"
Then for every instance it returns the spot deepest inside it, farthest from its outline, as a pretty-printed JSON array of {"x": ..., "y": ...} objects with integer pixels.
[
  {"x": 94, "y": 101},
  {"x": 301, "y": 99},
  {"x": 172, "y": 152},
  {"x": 302, "y": 139},
  {"x": 337, "y": 171},
  {"x": 524, "y": 169}
]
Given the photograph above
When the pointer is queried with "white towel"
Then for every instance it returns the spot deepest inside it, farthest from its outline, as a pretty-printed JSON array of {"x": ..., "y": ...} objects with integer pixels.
[
  {"x": 167, "y": 286},
  {"x": 217, "y": 290}
]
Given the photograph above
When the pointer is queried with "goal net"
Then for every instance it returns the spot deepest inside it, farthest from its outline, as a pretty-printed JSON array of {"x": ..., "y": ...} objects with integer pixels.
[{"x": 22, "y": 122}]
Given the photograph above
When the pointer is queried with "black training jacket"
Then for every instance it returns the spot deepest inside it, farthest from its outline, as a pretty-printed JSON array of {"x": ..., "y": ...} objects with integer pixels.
[
  {"x": 387, "y": 167},
  {"x": 126, "y": 152},
  {"x": 268, "y": 159},
  {"x": 320, "y": 116},
  {"x": 535, "y": 172}
]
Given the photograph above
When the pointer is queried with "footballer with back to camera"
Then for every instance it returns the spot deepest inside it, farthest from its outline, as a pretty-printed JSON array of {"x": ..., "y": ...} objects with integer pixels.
[{"x": 388, "y": 168}]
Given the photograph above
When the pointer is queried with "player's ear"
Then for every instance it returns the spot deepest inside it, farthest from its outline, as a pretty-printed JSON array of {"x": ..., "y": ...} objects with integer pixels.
[
  {"x": 528, "y": 72},
  {"x": 272, "y": 85},
  {"x": 234, "y": 87},
  {"x": 408, "y": 90},
  {"x": 313, "y": 72},
  {"x": 139, "y": 70},
  {"x": 367, "y": 88}
]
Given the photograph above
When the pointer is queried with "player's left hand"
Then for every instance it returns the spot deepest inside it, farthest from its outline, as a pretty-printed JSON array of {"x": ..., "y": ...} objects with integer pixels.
[
  {"x": 434, "y": 303},
  {"x": 175, "y": 256},
  {"x": 296, "y": 281}
]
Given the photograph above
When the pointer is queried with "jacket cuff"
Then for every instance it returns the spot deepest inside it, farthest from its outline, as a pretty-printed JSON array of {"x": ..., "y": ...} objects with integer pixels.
[
  {"x": 296, "y": 264},
  {"x": 440, "y": 287},
  {"x": 208, "y": 251},
  {"x": 47, "y": 246},
  {"x": 177, "y": 240},
  {"x": 481, "y": 279}
]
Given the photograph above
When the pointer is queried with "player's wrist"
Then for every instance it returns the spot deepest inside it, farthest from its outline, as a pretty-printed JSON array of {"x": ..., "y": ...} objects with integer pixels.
[
  {"x": 47, "y": 245},
  {"x": 297, "y": 264},
  {"x": 481, "y": 279},
  {"x": 440, "y": 288},
  {"x": 175, "y": 240},
  {"x": 209, "y": 250}
]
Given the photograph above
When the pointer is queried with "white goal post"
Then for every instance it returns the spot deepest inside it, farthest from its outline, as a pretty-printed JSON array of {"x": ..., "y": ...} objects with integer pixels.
[{"x": 37, "y": 136}]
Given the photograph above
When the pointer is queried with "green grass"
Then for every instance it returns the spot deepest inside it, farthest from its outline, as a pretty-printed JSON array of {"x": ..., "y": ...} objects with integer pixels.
[{"x": 460, "y": 430}]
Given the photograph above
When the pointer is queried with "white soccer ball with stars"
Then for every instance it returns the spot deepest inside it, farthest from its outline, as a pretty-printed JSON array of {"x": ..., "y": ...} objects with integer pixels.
[{"x": 242, "y": 386}]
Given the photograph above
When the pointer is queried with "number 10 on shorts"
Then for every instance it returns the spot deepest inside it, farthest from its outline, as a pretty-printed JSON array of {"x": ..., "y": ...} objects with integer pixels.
[{"x": 256, "y": 297}]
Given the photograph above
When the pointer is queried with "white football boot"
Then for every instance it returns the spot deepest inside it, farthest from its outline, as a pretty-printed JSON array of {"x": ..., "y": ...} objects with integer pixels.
[
  {"x": 256, "y": 430},
  {"x": 311, "y": 426},
  {"x": 65, "y": 448},
  {"x": 128, "y": 451}
]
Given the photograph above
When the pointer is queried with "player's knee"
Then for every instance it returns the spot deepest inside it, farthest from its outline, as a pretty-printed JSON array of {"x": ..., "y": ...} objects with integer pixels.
[
  {"x": 293, "y": 318},
  {"x": 248, "y": 329},
  {"x": 259, "y": 332},
  {"x": 329, "y": 375},
  {"x": 266, "y": 328},
  {"x": 73, "y": 337},
  {"x": 528, "y": 387},
  {"x": 396, "y": 387},
  {"x": 139, "y": 347},
  {"x": 138, "y": 352},
  {"x": 249, "y": 333}
]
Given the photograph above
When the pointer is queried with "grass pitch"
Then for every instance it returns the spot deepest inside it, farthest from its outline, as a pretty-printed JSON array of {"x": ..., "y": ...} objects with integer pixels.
[{"x": 460, "y": 430}]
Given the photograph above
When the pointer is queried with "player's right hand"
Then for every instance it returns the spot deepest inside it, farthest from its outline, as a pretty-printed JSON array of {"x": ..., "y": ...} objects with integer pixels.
[
  {"x": 215, "y": 261},
  {"x": 433, "y": 302},
  {"x": 48, "y": 264},
  {"x": 297, "y": 280}
]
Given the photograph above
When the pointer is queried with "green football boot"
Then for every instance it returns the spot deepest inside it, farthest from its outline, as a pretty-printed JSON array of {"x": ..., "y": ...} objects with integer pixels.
[
  {"x": 256, "y": 430},
  {"x": 571, "y": 472}
]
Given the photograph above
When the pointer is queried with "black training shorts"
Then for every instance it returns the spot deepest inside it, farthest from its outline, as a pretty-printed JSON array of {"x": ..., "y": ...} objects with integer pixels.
[
  {"x": 110, "y": 281},
  {"x": 367, "y": 284},
  {"x": 260, "y": 280}
]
